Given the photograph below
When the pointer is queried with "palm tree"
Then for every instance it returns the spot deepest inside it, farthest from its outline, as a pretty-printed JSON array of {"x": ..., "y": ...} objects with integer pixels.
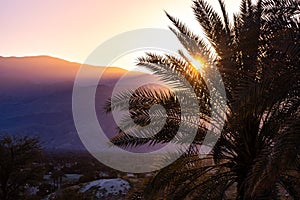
[{"x": 257, "y": 155}]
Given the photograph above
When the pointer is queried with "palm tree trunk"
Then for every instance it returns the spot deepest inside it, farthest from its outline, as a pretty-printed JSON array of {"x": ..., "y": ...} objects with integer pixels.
[{"x": 241, "y": 190}]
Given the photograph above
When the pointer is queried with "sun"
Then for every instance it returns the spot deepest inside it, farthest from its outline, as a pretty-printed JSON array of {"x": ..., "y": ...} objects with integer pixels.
[{"x": 198, "y": 63}]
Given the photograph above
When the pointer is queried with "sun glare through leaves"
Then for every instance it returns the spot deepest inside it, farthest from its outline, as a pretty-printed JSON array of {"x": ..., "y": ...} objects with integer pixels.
[{"x": 198, "y": 63}]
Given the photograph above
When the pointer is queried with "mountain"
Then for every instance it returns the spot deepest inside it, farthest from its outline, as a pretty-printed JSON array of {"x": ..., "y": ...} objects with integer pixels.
[{"x": 36, "y": 98}]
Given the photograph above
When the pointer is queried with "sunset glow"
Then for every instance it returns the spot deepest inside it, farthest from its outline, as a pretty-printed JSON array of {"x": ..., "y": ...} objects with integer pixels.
[
  {"x": 199, "y": 64},
  {"x": 73, "y": 29}
]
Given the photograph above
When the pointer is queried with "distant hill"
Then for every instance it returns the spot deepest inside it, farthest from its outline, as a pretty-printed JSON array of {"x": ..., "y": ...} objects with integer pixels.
[
  {"x": 36, "y": 98},
  {"x": 29, "y": 73}
]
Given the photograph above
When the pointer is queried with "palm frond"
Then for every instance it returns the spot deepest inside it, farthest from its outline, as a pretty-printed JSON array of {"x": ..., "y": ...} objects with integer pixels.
[
  {"x": 274, "y": 159},
  {"x": 258, "y": 153},
  {"x": 225, "y": 17},
  {"x": 213, "y": 27}
]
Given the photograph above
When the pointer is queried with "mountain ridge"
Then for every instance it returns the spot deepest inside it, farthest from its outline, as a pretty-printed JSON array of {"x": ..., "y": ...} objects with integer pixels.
[{"x": 36, "y": 101}]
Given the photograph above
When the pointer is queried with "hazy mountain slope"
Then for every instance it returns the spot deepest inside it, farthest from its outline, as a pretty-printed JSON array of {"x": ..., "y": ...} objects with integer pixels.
[{"x": 36, "y": 99}]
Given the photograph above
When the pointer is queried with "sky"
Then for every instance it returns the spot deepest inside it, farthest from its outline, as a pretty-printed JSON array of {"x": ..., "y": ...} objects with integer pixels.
[{"x": 72, "y": 29}]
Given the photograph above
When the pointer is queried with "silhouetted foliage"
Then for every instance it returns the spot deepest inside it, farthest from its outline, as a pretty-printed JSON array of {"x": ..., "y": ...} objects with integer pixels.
[
  {"x": 18, "y": 169},
  {"x": 258, "y": 54}
]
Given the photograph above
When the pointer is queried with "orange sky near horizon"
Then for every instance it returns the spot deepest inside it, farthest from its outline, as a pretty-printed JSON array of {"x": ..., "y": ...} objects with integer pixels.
[{"x": 71, "y": 29}]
